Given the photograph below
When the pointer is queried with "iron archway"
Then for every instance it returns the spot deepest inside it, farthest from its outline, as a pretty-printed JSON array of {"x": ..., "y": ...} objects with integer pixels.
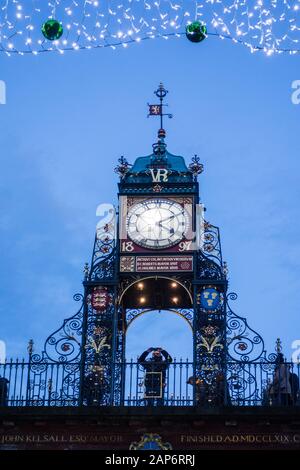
[
  {"x": 156, "y": 293},
  {"x": 186, "y": 314}
]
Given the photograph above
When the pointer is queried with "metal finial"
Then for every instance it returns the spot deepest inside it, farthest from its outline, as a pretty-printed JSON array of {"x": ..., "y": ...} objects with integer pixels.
[
  {"x": 30, "y": 346},
  {"x": 157, "y": 109},
  {"x": 196, "y": 167},
  {"x": 86, "y": 270},
  {"x": 123, "y": 166},
  {"x": 278, "y": 347},
  {"x": 161, "y": 92}
]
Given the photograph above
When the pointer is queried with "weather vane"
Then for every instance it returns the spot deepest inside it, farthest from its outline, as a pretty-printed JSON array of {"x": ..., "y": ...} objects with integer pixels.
[{"x": 157, "y": 109}]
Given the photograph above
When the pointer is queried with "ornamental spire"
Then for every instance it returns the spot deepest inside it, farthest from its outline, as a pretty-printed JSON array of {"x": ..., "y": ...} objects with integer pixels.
[{"x": 158, "y": 109}]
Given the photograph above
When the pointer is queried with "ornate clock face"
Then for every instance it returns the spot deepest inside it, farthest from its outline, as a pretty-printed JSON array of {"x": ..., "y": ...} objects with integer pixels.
[{"x": 157, "y": 223}]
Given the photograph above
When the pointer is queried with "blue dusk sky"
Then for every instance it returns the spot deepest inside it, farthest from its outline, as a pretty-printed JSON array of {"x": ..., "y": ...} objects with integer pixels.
[{"x": 69, "y": 118}]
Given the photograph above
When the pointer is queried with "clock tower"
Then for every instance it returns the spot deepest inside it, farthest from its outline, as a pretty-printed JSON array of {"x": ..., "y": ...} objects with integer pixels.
[{"x": 155, "y": 253}]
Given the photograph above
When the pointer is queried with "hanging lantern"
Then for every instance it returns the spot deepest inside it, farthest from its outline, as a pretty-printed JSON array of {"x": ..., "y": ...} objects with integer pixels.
[
  {"x": 100, "y": 299},
  {"x": 196, "y": 31},
  {"x": 52, "y": 30}
]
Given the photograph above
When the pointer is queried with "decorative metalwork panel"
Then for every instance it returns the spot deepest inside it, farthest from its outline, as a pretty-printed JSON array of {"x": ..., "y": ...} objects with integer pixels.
[
  {"x": 119, "y": 368},
  {"x": 132, "y": 314},
  {"x": 176, "y": 390},
  {"x": 185, "y": 313},
  {"x": 64, "y": 344},
  {"x": 48, "y": 382},
  {"x": 210, "y": 241},
  {"x": 210, "y": 343},
  {"x": 103, "y": 260},
  {"x": 247, "y": 384},
  {"x": 105, "y": 269},
  {"x": 243, "y": 343},
  {"x": 208, "y": 269},
  {"x": 244, "y": 384},
  {"x": 98, "y": 346}
]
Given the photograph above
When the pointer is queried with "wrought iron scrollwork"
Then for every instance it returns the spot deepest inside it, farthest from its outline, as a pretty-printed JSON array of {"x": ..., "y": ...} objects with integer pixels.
[
  {"x": 64, "y": 344},
  {"x": 71, "y": 384},
  {"x": 53, "y": 375},
  {"x": 103, "y": 262},
  {"x": 132, "y": 314},
  {"x": 243, "y": 384},
  {"x": 210, "y": 241},
  {"x": 104, "y": 269},
  {"x": 98, "y": 347},
  {"x": 210, "y": 350},
  {"x": 208, "y": 269},
  {"x": 243, "y": 343},
  {"x": 185, "y": 313}
]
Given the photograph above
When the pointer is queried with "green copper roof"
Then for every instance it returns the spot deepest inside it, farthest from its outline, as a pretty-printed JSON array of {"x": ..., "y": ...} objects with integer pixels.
[{"x": 174, "y": 162}]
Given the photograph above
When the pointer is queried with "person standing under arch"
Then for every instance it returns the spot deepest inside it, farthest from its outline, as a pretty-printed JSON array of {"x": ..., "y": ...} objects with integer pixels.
[{"x": 155, "y": 374}]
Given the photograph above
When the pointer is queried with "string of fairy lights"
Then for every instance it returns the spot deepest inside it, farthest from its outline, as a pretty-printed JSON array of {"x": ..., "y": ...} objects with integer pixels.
[{"x": 39, "y": 26}]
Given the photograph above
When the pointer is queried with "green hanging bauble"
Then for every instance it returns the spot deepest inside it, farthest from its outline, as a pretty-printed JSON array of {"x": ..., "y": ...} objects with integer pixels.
[
  {"x": 52, "y": 30},
  {"x": 196, "y": 31}
]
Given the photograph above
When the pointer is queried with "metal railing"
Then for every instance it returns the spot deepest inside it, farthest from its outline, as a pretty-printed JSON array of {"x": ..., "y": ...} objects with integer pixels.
[
  {"x": 151, "y": 387},
  {"x": 58, "y": 384}
]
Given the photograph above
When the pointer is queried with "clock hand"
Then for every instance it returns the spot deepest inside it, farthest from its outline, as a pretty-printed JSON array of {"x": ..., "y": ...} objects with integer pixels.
[
  {"x": 167, "y": 229},
  {"x": 167, "y": 218},
  {"x": 159, "y": 223}
]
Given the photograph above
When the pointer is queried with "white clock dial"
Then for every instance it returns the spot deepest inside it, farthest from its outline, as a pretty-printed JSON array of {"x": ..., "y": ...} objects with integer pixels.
[{"x": 157, "y": 223}]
